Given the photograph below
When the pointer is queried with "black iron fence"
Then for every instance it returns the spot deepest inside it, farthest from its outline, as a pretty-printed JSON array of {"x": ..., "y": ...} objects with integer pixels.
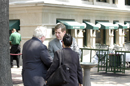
[{"x": 108, "y": 61}]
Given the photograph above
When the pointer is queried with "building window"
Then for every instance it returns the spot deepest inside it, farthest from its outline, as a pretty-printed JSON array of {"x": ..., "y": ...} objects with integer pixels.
[
  {"x": 53, "y": 31},
  {"x": 101, "y": 0},
  {"x": 127, "y": 2},
  {"x": 85, "y": 0},
  {"x": 113, "y": 1}
]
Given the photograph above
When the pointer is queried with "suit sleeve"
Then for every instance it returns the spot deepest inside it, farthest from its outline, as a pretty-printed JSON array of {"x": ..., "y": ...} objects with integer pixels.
[
  {"x": 50, "y": 49},
  {"x": 45, "y": 57},
  {"x": 79, "y": 72},
  {"x": 76, "y": 48},
  {"x": 54, "y": 66}
]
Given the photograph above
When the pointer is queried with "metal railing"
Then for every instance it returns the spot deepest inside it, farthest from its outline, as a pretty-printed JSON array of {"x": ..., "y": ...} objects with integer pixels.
[{"x": 107, "y": 61}]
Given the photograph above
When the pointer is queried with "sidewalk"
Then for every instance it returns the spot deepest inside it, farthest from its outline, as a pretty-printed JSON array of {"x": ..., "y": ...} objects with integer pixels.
[
  {"x": 109, "y": 79},
  {"x": 16, "y": 76},
  {"x": 97, "y": 79}
]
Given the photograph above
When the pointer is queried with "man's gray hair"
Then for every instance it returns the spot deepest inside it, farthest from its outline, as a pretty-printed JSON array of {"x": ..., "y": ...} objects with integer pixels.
[{"x": 40, "y": 31}]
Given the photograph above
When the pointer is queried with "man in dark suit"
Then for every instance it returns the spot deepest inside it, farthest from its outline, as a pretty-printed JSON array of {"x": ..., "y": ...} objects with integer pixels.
[
  {"x": 36, "y": 59},
  {"x": 56, "y": 44}
]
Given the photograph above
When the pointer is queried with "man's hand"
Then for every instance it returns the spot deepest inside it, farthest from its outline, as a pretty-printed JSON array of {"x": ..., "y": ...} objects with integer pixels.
[{"x": 80, "y": 84}]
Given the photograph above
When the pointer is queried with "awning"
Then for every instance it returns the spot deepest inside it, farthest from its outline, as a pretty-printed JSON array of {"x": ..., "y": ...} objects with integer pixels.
[
  {"x": 127, "y": 23},
  {"x": 91, "y": 25},
  {"x": 72, "y": 24},
  {"x": 107, "y": 25},
  {"x": 122, "y": 26},
  {"x": 14, "y": 24}
]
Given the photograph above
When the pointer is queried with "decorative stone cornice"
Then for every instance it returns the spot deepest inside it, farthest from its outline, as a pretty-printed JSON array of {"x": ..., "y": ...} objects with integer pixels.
[
  {"x": 32, "y": 25},
  {"x": 111, "y": 8}
]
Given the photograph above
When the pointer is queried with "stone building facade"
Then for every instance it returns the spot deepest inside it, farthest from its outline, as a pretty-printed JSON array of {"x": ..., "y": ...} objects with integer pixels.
[{"x": 32, "y": 13}]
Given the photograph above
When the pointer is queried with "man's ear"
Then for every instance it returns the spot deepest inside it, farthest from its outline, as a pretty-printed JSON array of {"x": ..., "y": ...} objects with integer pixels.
[{"x": 65, "y": 31}]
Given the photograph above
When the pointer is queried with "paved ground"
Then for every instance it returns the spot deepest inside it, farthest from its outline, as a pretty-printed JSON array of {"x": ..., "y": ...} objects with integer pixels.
[
  {"x": 109, "y": 79},
  {"x": 97, "y": 79},
  {"x": 16, "y": 76}
]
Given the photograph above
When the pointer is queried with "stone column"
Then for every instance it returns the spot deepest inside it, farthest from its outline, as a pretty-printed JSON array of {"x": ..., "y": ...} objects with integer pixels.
[
  {"x": 94, "y": 1},
  {"x": 79, "y": 38},
  {"x": 120, "y": 37},
  {"x": 5, "y": 70},
  {"x": 88, "y": 38},
  {"x": 92, "y": 38},
  {"x": 109, "y": 37},
  {"x": 91, "y": 34},
  {"x": 123, "y": 38},
  {"x": 110, "y": 2},
  {"x": 120, "y": 2},
  {"x": 117, "y": 37}
]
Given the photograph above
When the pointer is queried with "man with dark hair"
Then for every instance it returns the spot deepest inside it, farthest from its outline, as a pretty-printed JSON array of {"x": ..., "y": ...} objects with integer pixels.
[
  {"x": 56, "y": 44},
  {"x": 15, "y": 39}
]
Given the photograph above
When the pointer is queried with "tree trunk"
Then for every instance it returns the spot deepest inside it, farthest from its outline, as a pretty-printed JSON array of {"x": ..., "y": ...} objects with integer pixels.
[{"x": 5, "y": 70}]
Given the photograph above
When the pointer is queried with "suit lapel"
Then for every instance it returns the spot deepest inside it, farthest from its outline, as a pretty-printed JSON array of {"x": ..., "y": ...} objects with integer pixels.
[{"x": 58, "y": 44}]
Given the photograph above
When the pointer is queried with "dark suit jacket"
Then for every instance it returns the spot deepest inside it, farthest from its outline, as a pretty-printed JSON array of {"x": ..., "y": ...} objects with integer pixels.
[
  {"x": 55, "y": 45},
  {"x": 71, "y": 59},
  {"x": 36, "y": 61}
]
